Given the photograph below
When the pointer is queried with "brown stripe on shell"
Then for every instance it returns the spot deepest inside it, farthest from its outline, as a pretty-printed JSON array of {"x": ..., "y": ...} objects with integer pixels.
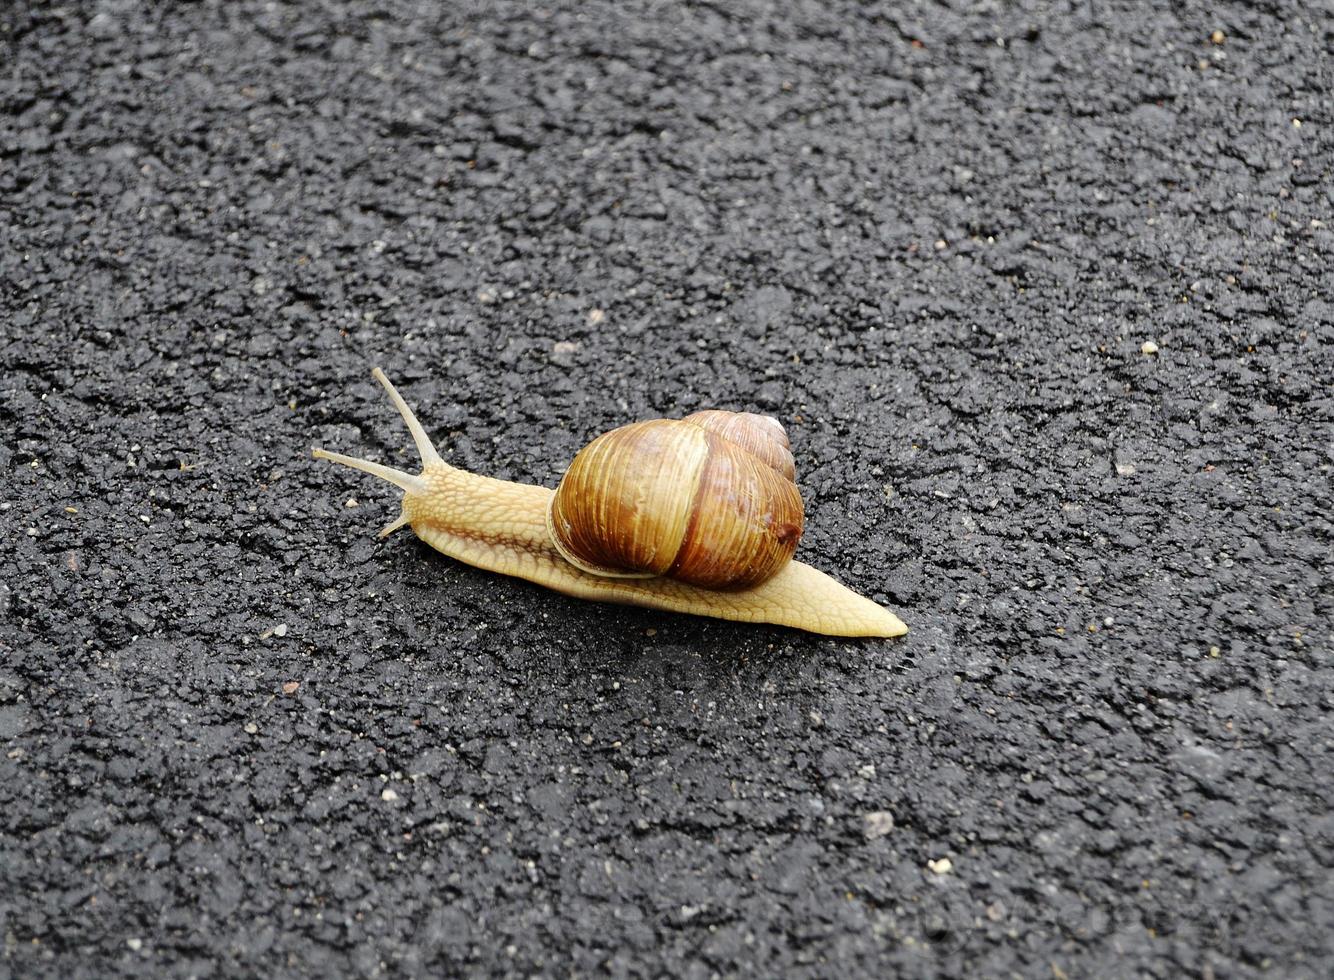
[
  {"x": 625, "y": 501},
  {"x": 744, "y": 525}
]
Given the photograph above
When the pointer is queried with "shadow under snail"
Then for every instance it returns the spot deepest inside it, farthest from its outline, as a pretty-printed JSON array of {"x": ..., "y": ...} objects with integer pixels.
[{"x": 698, "y": 515}]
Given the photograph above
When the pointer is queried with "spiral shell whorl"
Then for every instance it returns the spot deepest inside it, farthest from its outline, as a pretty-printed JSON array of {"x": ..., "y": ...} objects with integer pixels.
[{"x": 763, "y": 436}]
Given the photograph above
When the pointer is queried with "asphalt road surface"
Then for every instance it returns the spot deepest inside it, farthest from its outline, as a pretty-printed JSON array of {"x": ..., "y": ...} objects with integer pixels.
[{"x": 1043, "y": 295}]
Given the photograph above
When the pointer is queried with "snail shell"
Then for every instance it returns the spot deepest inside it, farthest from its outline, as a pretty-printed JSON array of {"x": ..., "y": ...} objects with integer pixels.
[{"x": 708, "y": 500}]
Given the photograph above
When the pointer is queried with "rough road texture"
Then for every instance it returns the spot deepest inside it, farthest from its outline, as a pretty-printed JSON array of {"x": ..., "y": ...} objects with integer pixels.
[{"x": 242, "y": 737}]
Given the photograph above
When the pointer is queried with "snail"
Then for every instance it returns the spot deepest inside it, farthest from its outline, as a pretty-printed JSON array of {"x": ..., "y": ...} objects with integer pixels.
[{"x": 697, "y": 515}]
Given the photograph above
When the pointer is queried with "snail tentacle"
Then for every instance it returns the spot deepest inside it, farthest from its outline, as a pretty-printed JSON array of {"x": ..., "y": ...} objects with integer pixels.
[
  {"x": 425, "y": 448},
  {"x": 409, "y": 482}
]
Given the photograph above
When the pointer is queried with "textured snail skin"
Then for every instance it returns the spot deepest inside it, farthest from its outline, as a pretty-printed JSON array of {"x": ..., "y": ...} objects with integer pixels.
[{"x": 502, "y": 527}]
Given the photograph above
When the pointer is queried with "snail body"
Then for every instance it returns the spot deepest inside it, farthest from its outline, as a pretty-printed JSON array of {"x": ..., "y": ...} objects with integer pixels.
[{"x": 698, "y": 515}]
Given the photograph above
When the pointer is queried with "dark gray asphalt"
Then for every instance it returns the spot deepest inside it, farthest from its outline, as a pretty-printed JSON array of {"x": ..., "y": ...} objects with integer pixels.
[{"x": 240, "y": 737}]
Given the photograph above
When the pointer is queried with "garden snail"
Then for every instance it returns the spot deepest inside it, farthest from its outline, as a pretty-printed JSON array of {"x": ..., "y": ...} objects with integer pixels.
[{"x": 700, "y": 486}]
